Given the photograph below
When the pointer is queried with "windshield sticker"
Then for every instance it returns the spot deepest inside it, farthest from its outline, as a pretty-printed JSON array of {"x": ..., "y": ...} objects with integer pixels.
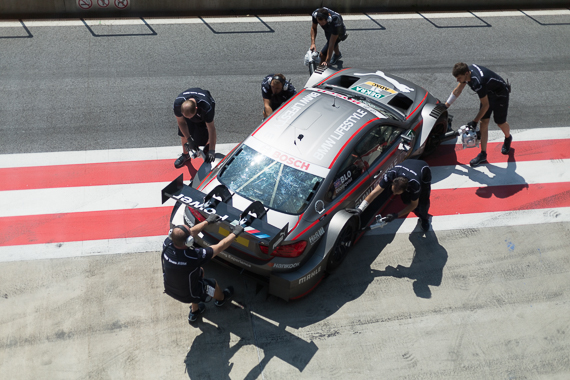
[
  {"x": 345, "y": 126},
  {"x": 401, "y": 87},
  {"x": 290, "y": 160},
  {"x": 373, "y": 93}
]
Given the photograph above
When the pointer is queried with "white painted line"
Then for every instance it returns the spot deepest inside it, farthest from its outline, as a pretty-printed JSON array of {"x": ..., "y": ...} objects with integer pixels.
[
  {"x": 271, "y": 19},
  {"x": 82, "y": 199},
  {"x": 98, "y": 156},
  {"x": 500, "y": 174},
  {"x": 481, "y": 220}
]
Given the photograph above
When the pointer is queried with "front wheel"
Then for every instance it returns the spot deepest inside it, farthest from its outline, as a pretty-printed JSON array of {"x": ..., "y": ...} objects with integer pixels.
[{"x": 341, "y": 247}]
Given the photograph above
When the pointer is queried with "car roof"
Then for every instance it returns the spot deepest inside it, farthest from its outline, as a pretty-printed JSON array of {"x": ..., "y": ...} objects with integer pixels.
[{"x": 315, "y": 125}]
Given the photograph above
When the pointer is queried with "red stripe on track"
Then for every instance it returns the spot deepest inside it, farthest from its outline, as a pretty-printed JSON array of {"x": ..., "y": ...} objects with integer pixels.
[
  {"x": 520, "y": 151},
  {"x": 81, "y": 226},
  {"x": 475, "y": 200},
  {"x": 108, "y": 173}
]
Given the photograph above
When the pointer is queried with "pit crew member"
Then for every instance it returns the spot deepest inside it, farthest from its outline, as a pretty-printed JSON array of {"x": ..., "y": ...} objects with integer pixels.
[
  {"x": 335, "y": 31},
  {"x": 275, "y": 90},
  {"x": 493, "y": 94},
  {"x": 194, "y": 110}
]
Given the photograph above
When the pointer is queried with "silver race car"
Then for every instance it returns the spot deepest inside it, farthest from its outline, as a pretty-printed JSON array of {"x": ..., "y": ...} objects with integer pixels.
[{"x": 291, "y": 181}]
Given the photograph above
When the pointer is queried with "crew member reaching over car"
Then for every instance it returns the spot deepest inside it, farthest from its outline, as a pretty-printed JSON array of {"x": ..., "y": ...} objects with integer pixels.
[
  {"x": 275, "y": 90},
  {"x": 181, "y": 267},
  {"x": 335, "y": 31},
  {"x": 412, "y": 181},
  {"x": 493, "y": 94},
  {"x": 194, "y": 110}
]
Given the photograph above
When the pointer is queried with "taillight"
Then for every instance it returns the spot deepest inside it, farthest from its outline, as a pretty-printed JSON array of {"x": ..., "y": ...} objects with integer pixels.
[
  {"x": 199, "y": 218},
  {"x": 288, "y": 250}
]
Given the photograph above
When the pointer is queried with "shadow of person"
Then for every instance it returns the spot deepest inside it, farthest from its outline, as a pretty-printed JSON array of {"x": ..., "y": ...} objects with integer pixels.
[
  {"x": 505, "y": 190},
  {"x": 427, "y": 264}
]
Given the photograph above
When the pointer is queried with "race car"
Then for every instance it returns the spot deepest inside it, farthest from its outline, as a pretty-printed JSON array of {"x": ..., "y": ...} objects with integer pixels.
[{"x": 292, "y": 179}]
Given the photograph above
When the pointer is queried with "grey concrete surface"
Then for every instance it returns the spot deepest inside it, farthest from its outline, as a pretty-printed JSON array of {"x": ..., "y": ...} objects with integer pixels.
[
  {"x": 149, "y": 8},
  {"x": 464, "y": 304}
]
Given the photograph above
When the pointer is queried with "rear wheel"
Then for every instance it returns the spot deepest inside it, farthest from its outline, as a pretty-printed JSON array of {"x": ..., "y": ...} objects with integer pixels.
[{"x": 341, "y": 247}]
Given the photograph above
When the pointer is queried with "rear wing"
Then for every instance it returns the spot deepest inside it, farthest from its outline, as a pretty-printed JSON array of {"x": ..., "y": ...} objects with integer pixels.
[{"x": 216, "y": 202}]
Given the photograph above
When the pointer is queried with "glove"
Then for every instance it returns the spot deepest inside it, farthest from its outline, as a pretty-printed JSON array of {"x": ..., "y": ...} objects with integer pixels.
[
  {"x": 237, "y": 230},
  {"x": 191, "y": 145},
  {"x": 391, "y": 217},
  {"x": 213, "y": 218},
  {"x": 472, "y": 125},
  {"x": 211, "y": 156},
  {"x": 355, "y": 211}
]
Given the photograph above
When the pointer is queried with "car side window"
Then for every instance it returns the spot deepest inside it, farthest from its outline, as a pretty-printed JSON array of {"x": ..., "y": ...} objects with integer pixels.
[
  {"x": 377, "y": 142},
  {"x": 350, "y": 170}
]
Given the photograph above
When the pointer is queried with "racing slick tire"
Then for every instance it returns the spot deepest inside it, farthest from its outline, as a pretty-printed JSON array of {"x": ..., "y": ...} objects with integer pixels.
[
  {"x": 434, "y": 138},
  {"x": 341, "y": 247}
]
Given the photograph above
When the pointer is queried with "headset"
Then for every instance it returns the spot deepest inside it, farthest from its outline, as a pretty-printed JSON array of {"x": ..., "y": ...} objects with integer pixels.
[
  {"x": 189, "y": 242},
  {"x": 281, "y": 80},
  {"x": 326, "y": 16}
]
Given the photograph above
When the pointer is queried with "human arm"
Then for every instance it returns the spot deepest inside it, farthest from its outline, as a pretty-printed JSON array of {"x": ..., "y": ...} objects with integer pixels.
[
  {"x": 332, "y": 43},
  {"x": 313, "y": 36},
  {"x": 183, "y": 126},
  {"x": 455, "y": 94},
  {"x": 267, "y": 108},
  {"x": 227, "y": 241},
  {"x": 211, "y": 135}
]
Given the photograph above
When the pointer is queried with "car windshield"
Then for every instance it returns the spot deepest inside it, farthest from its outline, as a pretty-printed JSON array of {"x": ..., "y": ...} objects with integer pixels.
[{"x": 259, "y": 178}]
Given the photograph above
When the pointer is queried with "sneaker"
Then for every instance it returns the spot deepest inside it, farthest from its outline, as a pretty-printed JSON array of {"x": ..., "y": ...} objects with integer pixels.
[
  {"x": 193, "y": 316},
  {"x": 228, "y": 293},
  {"x": 425, "y": 225},
  {"x": 507, "y": 145},
  {"x": 181, "y": 160},
  {"x": 481, "y": 157},
  {"x": 334, "y": 58}
]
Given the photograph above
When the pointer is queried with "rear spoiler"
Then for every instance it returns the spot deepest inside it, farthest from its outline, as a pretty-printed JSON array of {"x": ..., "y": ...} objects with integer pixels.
[{"x": 216, "y": 202}]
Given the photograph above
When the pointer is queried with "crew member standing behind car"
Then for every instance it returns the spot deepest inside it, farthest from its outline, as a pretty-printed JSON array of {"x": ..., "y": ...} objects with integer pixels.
[
  {"x": 335, "y": 31},
  {"x": 493, "y": 94},
  {"x": 181, "y": 267},
  {"x": 275, "y": 90},
  {"x": 412, "y": 181},
  {"x": 194, "y": 110}
]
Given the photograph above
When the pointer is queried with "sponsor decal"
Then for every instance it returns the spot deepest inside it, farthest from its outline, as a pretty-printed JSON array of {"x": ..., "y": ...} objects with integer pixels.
[
  {"x": 401, "y": 87},
  {"x": 235, "y": 259},
  {"x": 317, "y": 235},
  {"x": 310, "y": 275},
  {"x": 286, "y": 266},
  {"x": 290, "y": 160},
  {"x": 368, "y": 92},
  {"x": 341, "y": 183},
  {"x": 196, "y": 204},
  {"x": 345, "y": 126},
  {"x": 286, "y": 115},
  {"x": 381, "y": 87}
]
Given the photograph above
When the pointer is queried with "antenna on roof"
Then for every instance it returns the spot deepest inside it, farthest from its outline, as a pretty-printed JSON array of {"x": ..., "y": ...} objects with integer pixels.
[{"x": 334, "y": 101}]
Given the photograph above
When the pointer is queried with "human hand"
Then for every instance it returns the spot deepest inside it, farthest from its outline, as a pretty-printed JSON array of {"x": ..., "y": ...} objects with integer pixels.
[
  {"x": 211, "y": 156},
  {"x": 472, "y": 125},
  {"x": 213, "y": 218},
  {"x": 313, "y": 47},
  {"x": 190, "y": 144},
  {"x": 355, "y": 211},
  {"x": 390, "y": 217},
  {"x": 237, "y": 230}
]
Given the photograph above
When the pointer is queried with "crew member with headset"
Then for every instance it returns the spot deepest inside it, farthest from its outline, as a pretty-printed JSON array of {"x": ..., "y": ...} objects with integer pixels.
[
  {"x": 182, "y": 267},
  {"x": 194, "y": 110},
  {"x": 275, "y": 90},
  {"x": 493, "y": 94},
  {"x": 335, "y": 31},
  {"x": 412, "y": 181}
]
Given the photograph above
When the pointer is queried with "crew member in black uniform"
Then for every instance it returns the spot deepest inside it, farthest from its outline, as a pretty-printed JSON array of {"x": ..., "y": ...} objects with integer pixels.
[
  {"x": 412, "y": 181},
  {"x": 194, "y": 110},
  {"x": 335, "y": 31},
  {"x": 275, "y": 90},
  {"x": 493, "y": 94},
  {"x": 181, "y": 267}
]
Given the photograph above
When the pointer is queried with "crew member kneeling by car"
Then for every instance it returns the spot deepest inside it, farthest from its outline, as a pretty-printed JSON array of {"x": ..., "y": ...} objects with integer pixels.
[
  {"x": 275, "y": 90},
  {"x": 412, "y": 181},
  {"x": 194, "y": 110},
  {"x": 182, "y": 272}
]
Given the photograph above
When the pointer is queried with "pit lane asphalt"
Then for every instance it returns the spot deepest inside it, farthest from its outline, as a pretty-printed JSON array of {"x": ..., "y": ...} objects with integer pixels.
[{"x": 469, "y": 304}]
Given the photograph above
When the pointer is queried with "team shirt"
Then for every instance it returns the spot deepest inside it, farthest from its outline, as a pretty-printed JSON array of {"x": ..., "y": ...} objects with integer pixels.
[
  {"x": 335, "y": 26},
  {"x": 278, "y": 99},
  {"x": 205, "y": 105},
  {"x": 182, "y": 270},
  {"x": 484, "y": 81},
  {"x": 416, "y": 171}
]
